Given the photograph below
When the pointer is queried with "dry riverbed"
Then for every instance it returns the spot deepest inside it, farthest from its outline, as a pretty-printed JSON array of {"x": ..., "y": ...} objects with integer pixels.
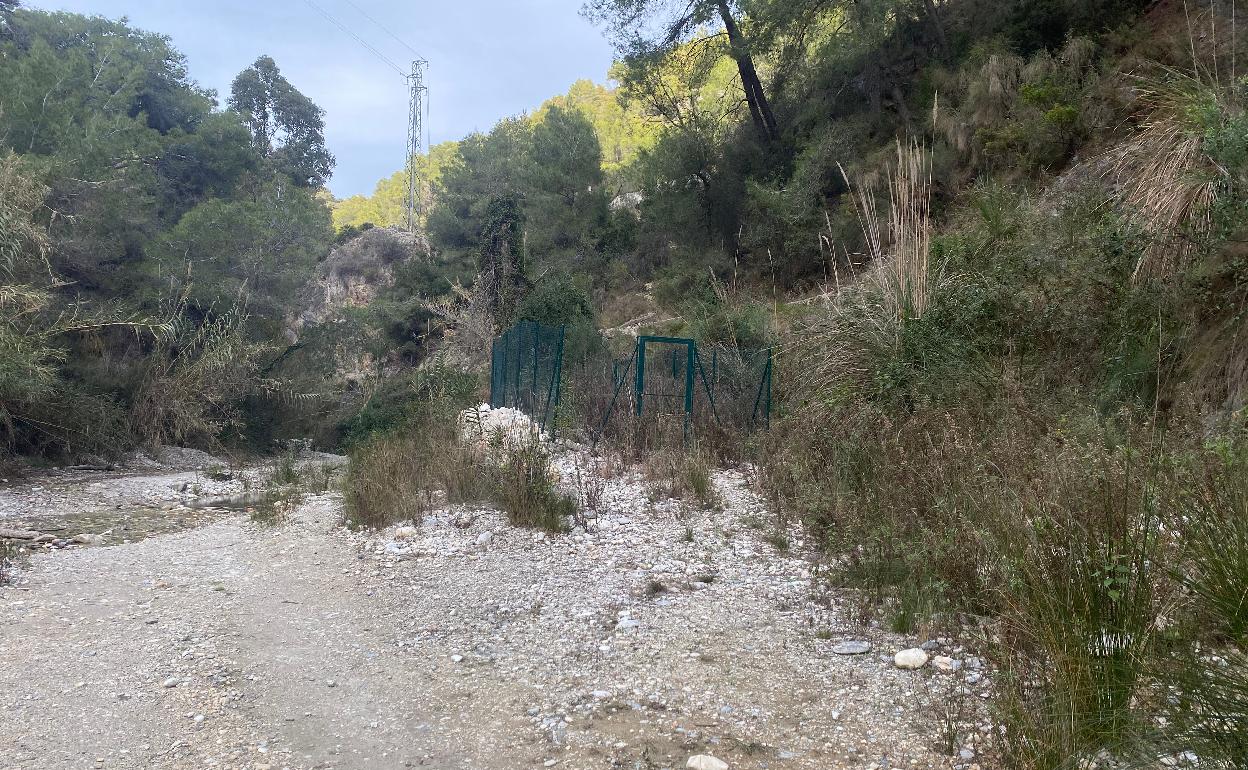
[{"x": 658, "y": 634}]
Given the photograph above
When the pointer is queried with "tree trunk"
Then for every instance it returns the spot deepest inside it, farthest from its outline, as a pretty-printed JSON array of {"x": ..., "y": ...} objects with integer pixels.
[
  {"x": 755, "y": 97},
  {"x": 933, "y": 15}
]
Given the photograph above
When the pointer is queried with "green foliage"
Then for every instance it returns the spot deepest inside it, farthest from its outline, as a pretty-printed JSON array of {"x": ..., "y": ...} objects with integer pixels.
[
  {"x": 620, "y": 132},
  {"x": 263, "y": 245},
  {"x": 156, "y": 201},
  {"x": 422, "y": 397},
  {"x": 285, "y": 125},
  {"x": 561, "y": 300},
  {"x": 39, "y": 410}
]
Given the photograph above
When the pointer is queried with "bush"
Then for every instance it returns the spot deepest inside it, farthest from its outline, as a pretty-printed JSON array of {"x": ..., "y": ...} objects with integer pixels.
[
  {"x": 560, "y": 300},
  {"x": 388, "y": 480},
  {"x": 522, "y": 485},
  {"x": 407, "y": 450},
  {"x": 424, "y": 397}
]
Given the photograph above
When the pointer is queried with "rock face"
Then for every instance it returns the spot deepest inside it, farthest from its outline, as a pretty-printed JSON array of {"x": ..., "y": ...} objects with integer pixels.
[
  {"x": 352, "y": 276},
  {"x": 355, "y": 273},
  {"x": 911, "y": 659}
]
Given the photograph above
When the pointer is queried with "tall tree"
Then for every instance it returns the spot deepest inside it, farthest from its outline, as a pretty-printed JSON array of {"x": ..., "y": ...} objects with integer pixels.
[
  {"x": 646, "y": 31},
  {"x": 7, "y": 7},
  {"x": 286, "y": 125}
]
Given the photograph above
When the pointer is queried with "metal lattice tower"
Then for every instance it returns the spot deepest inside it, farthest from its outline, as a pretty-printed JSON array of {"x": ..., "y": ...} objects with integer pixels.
[{"x": 415, "y": 136}]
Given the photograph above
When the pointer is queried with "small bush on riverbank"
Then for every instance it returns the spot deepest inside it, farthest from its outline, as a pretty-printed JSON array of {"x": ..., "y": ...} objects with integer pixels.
[
  {"x": 523, "y": 486},
  {"x": 396, "y": 474},
  {"x": 387, "y": 481}
]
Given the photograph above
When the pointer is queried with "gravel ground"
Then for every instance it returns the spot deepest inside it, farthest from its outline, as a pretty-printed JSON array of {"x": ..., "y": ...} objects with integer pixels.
[{"x": 660, "y": 633}]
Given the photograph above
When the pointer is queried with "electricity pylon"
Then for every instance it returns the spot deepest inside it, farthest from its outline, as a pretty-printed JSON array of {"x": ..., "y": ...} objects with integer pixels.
[{"x": 418, "y": 101}]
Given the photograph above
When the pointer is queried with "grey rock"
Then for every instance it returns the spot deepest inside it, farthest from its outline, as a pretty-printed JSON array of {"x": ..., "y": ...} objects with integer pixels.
[
  {"x": 946, "y": 664},
  {"x": 852, "y": 647}
]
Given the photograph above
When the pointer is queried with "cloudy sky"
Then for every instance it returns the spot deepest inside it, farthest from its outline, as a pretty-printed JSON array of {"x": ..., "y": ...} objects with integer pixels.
[{"x": 487, "y": 59}]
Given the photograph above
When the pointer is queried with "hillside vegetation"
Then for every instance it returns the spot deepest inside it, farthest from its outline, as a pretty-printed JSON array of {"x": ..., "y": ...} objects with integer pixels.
[{"x": 997, "y": 246}]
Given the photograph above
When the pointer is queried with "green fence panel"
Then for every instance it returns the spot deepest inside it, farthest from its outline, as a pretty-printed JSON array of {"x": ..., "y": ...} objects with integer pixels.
[{"x": 526, "y": 368}]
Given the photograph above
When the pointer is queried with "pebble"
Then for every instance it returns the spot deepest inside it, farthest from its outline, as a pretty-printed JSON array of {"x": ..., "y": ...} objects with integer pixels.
[
  {"x": 171, "y": 682},
  {"x": 705, "y": 762},
  {"x": 484, "y": 538},
  {"x": 910, "y": 659}
]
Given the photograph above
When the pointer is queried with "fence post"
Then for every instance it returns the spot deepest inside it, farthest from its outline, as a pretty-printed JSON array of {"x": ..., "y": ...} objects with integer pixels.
[
  {"x": 641, "y": 373},
  {"x": 691, "y": 351}
]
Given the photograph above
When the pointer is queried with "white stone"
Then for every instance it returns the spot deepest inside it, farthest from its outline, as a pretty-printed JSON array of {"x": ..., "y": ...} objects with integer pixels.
[
  {"x": 405, "y": 533},
  {"x": 946, "y": 664},
  {"x": 705, "y": 762},
  {"x": 484, "y": 538},
  {"x": 910, "y": 659}
]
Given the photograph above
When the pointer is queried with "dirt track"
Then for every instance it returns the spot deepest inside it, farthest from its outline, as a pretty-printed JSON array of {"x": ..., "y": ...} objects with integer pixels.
[{"x": 235, "y": 644}]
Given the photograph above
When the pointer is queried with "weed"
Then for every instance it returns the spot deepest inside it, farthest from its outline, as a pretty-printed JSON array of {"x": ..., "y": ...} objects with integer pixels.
[
  {"x": 218, "y": 472},
  {"x": 284, "y": 471},
  {"x": 10, "y": 555},
  {"x": 387, "y": 481},
  {"x": 949, "y": 710}
]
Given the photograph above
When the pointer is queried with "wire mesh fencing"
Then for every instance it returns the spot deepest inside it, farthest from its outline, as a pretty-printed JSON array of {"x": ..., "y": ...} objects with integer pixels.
[
  {"x": 526, "y": 371},
  {"x": 667, "y": 390},
  {"x": 673, "y": 388}
]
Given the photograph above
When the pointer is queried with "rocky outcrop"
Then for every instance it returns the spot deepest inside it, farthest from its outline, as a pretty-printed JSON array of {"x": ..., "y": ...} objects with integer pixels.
[{"x": 354, "y": 274}]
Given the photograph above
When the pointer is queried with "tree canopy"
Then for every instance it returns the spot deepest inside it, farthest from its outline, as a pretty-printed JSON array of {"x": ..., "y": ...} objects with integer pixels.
[{"x": 285, "y": 125}]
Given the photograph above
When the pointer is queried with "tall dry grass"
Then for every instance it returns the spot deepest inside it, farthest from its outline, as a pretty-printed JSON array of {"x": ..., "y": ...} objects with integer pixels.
[
  {"x": 1164, "y": 175},
  {"x": 899, "y": 248}
]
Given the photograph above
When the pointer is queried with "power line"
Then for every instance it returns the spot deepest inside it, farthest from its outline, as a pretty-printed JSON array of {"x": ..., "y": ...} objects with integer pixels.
[
  {"x": 383, "y": 28},
  {"x": 356, "y": 37}
]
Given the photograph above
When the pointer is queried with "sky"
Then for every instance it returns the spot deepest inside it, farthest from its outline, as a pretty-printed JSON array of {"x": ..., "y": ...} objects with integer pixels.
[{"x": 488, "y": 59}]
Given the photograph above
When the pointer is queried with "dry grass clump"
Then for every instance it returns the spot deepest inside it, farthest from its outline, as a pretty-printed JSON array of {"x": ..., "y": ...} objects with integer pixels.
[
  {"x": 681, "y": 473},
  {"x": 1165, "y": 176},
  {"x": 388, "y": 480},
  {"x": 899, "y": 255},
  {"x": 523, "y": 485}
]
